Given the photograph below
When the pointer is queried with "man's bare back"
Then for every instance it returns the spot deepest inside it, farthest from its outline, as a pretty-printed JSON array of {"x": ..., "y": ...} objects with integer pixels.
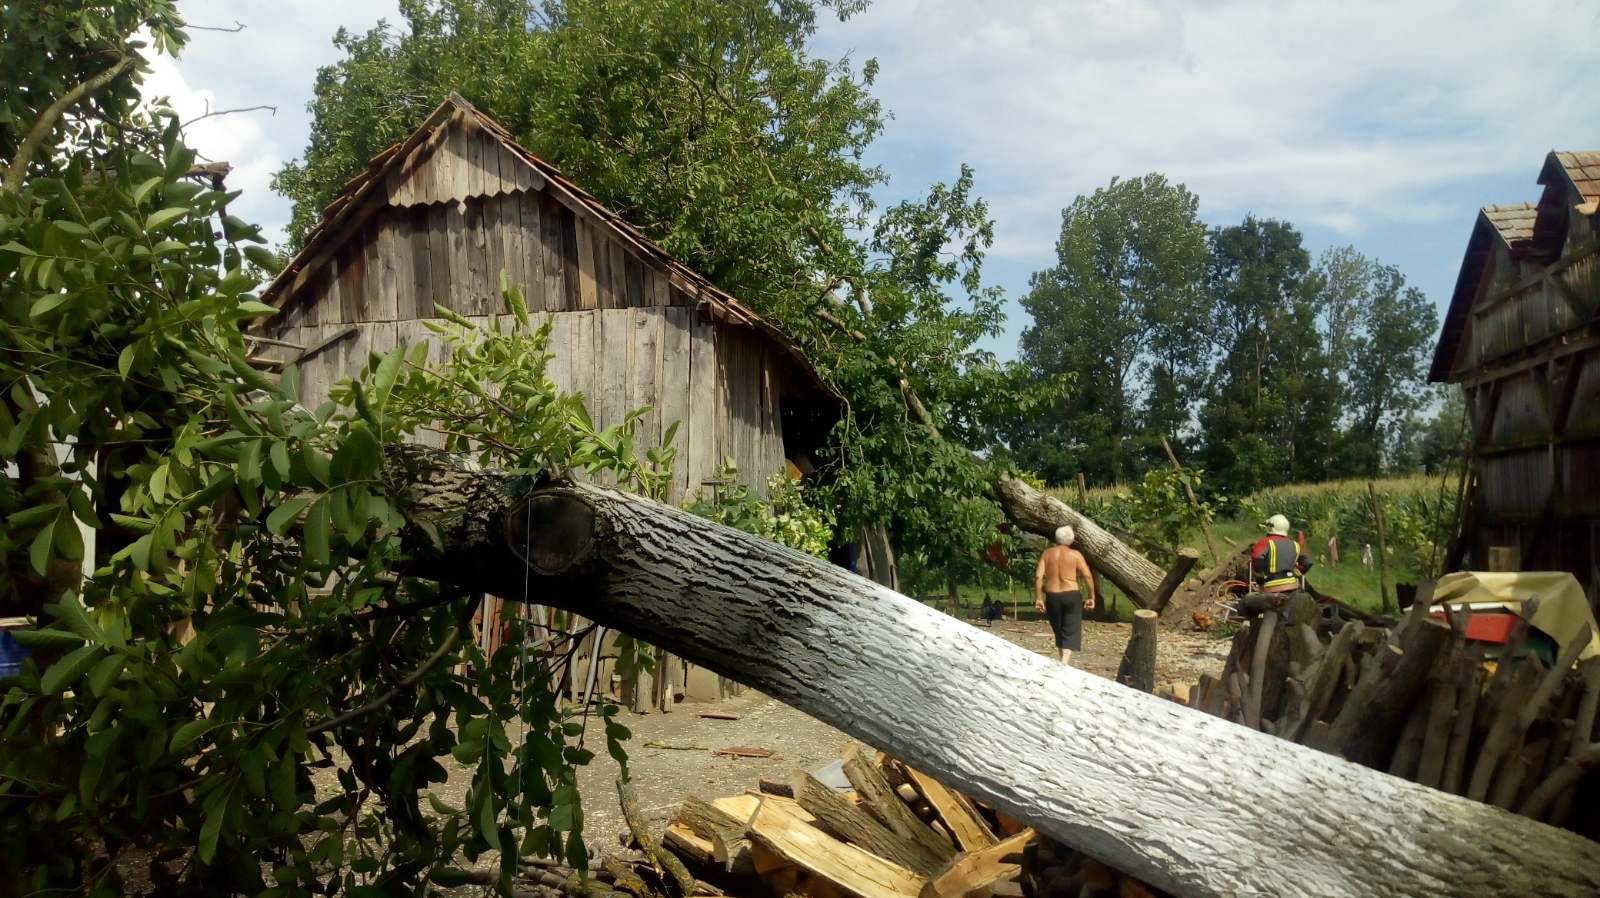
[{"x": 1060, "y": 567}]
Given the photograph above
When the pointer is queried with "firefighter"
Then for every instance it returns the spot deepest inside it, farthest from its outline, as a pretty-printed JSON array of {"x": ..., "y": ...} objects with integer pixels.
[{"x": 1276, "y": 562}]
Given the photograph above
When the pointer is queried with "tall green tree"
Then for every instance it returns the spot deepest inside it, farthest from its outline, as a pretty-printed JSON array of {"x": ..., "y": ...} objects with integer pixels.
[
  {"x": 1388, "y": 364},
  {"x": 1123, "y": 309},
  {"x": 712, "y": 127},
  {"x": 1271, "y": 410}
]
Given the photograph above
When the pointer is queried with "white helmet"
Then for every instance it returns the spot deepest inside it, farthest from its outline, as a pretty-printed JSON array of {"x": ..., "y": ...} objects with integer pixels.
[{"x": 1277, "y": 525}]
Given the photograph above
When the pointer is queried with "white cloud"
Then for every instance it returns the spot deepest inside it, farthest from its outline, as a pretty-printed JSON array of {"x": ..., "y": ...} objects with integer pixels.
[
  {"x": 273, "y": 61},
  {"x": 1345, "y": 115}
]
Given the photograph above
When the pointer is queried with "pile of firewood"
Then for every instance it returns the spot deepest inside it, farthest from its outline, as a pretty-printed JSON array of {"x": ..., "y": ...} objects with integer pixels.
[
  {"x": 895, "y": 833},
  {"x": 1420, "y": 701}
]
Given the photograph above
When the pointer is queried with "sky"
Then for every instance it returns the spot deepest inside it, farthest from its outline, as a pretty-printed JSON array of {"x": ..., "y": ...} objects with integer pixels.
[{"x": 1380, "y": 125}]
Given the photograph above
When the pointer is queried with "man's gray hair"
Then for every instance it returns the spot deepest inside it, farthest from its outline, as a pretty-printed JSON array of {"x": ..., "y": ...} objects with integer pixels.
[{"x": 1065, "y": 535}]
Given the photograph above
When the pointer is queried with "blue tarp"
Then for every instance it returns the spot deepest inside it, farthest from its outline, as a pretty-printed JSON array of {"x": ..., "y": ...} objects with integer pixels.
[{"x": 12, "y": 654}]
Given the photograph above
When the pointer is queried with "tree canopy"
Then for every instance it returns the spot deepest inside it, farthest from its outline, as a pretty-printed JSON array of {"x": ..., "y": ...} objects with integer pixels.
[{"x": 1260, "y": 365}]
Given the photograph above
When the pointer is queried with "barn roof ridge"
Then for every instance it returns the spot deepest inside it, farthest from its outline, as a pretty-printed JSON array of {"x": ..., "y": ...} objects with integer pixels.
[
  {"x": 356, "y": 198},
  {"x": 1523, "y": 227}
]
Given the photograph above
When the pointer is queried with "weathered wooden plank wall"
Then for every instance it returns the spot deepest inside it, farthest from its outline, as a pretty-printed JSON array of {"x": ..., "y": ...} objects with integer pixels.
[{"x": 466, "y": 210}]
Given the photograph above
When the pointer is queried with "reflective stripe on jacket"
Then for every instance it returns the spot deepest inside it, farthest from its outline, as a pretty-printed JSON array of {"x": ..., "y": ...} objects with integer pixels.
[{"x": 1275, "y": 561}]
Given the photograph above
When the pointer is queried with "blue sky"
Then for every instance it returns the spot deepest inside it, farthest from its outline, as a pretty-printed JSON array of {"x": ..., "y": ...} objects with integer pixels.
[{"x": 1384, "y": 126}]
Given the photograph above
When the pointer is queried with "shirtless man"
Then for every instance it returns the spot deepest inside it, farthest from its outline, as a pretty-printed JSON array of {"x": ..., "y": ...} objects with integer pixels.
[{"x": 1055, "y": 592}]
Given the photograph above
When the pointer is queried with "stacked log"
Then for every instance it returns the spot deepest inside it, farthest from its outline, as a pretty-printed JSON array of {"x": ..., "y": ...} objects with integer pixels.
[
  {"x": 896, "y": 833},
  {"x": 1419, "y": 701}
]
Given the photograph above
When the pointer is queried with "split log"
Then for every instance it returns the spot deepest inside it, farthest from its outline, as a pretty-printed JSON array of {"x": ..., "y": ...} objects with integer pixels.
[
  {"x": 1365, "y": 731},
  {"x": 880, "y": 800},
  {"x": 855, "y": 871},
  {"x": 1034, "y": 511},
  {"x": 1582, "y": 733},
  {"x": 1320, "y": 684},
  {"x": 957, "y": 813},
  {"x": 1258, "y": 669},
  {"x": 1139, "y": 658},
  {"x": 858, "y": 827},
  {"x": 724, "y": 829},
  {"x": 991, "y": 718},
  {"x": 980, "y": 869},
  {"x": 1469, "y": 689}
]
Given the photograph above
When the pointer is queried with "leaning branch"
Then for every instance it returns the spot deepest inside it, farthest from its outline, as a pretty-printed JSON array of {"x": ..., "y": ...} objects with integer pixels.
[{"x": 52, "y": 114}]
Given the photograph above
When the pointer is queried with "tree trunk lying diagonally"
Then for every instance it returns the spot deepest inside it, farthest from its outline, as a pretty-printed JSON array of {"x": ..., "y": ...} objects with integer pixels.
[
  {"x": 1042, "y": 514},
  {"x": 980, "y": 714}
]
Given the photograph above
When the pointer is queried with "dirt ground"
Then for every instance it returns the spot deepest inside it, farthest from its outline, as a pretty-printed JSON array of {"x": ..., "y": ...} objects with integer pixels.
[{"x": 663, "y": 777}]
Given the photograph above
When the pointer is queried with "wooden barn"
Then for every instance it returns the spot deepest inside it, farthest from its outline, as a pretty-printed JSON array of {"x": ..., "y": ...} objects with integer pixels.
[
  {"x": 437, "y": 218},
  {"x": 1521, "y": 338}
]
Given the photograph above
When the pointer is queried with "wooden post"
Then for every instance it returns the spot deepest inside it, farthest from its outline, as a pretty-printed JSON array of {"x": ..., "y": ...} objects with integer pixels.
[
  {"x": 1383, "y": 552},
  {"x": 1139, "y": 659},
  {"x": 1083, "y": 491},
  {"x": 896, "y": 674},
  {"x": 1205, "y": 528}
]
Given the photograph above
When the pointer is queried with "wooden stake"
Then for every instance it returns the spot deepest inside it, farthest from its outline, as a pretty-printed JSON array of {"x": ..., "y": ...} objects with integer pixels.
[{"x": 1383, "y": 565}]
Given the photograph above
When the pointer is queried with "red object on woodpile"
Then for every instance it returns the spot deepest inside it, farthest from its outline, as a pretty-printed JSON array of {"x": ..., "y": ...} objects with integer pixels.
[{"x": 1493, "y": 626}]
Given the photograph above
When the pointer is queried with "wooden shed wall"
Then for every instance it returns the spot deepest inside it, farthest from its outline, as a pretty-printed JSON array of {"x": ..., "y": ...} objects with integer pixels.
[{"x": 717, "y": 381}]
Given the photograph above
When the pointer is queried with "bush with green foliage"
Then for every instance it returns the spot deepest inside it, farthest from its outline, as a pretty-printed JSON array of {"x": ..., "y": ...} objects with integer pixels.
[
  {"x": 788, "y": 515},
  {"x": 245, "y": 694}
]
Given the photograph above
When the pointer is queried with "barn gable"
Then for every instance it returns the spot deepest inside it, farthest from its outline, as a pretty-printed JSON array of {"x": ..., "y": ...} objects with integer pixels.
[{"x": 437, "y": 218}]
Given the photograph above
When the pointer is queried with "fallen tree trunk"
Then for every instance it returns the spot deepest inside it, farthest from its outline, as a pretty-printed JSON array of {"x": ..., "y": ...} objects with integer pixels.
[
  {"x": 1042, "y": 514},
  {"x": 983, "y": 715}
]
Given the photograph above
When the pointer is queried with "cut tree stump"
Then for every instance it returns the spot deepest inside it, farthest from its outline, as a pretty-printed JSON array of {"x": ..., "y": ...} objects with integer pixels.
[
  {"x": 1139, "y": 658},
  {"x": 1020, "y": 733}
]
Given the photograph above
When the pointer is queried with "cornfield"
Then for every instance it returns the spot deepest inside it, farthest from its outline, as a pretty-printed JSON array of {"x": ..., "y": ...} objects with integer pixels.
[{"x": 1419, "y": 514}]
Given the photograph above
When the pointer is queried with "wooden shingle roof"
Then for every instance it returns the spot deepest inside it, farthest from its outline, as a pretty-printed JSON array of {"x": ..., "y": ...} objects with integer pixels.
[
  {"x": 1582, "y": 169},
  {"x": 1513, "y": 221}
]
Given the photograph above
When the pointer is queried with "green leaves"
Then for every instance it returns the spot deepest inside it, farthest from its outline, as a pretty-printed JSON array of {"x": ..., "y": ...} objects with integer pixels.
[
  {"x": 164, "y": 217},
  {"x": 69, "y": 669},
  {"x": 279, "y": 519},
  {"x": 191, "y": 732}
]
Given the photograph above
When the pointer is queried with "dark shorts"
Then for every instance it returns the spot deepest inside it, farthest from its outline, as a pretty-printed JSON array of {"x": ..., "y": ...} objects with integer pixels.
[{"x": 1065, "y": 610}]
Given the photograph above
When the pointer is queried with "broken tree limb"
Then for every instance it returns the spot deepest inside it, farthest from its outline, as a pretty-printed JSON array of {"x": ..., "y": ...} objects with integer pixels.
[
  {"x": 1187, "y": 558},
  {"x": 1034, "y": 511},
  {"x": 1024, "y": 735}
]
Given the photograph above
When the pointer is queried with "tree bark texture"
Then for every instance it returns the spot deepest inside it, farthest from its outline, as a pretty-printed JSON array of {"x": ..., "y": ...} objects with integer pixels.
[
  {"x": 1034, "y": 511},
  {"x": 983, "y": 715}
]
